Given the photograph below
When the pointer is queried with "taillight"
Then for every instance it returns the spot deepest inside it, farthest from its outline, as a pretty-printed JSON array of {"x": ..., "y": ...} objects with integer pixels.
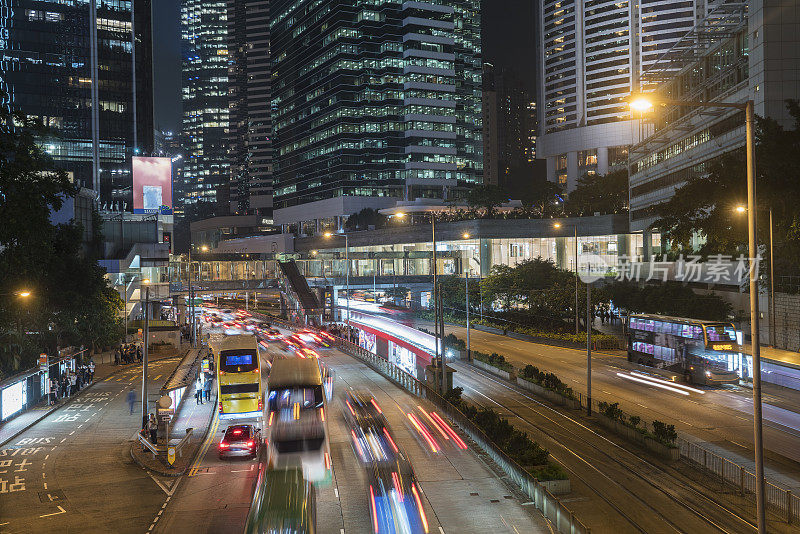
[
  {"x": 251, "y": 443},
  {"x": 223, "y": 445},
  {"x": 260, "y": 404},
  {"x": 256, "y": 370},
  {"x": 220, "y": 407}
]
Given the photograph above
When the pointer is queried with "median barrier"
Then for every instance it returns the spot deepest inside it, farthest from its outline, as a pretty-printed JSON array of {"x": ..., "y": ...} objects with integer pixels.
[
  {"x": 494, "y": 370},
  {"x": 552, "y": 396},
  {"x": 631, "y": 434}
]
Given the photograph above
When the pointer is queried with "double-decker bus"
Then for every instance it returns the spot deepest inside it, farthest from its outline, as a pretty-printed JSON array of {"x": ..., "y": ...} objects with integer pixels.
[
  {"x": 296, "y": 427},
  {"x": 239, "y": 377},
  {"x": 703, "y": 352}
]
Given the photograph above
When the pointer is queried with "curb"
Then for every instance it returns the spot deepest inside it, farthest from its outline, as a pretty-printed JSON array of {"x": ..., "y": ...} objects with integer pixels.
[
  {"x": 55, "y": 409},
  {"x": 191, "y": 461}
]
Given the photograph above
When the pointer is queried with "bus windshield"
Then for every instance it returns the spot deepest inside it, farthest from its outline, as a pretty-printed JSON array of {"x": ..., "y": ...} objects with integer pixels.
[
  {"x": 721, "y": 333},
  {"x": 238, "y": 361}
]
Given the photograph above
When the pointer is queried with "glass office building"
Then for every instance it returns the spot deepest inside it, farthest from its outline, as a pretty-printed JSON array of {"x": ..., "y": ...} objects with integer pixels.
[
  {"x": 375, "y": 99},
  {"x": 85, "y": 69}
]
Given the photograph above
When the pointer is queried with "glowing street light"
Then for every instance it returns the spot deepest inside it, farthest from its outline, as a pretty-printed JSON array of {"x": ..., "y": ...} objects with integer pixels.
[
  {"x": 24, "y": 294},
  {"x": 641, "y": 104}
]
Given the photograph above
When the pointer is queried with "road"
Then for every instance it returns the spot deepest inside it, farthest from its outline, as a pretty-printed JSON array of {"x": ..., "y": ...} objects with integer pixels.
[
  {"x": 461, "y": 493},
  {"x": 721, "y": 417},
  {"x": 72, "y": 472}
]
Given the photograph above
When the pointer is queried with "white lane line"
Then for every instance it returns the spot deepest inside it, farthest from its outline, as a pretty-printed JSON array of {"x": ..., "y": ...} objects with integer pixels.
[
  {"x": 62, "y": 511},
  {"x": 80, "y": 425},
  {"x": 71, "y": 432},
  {"x": 54, "y": 447},
  {"x": 43, "y": 475},
  {"x": 336, "y": 492},
  {"x": 45, "y": 485},
  {"x": 46, "y": 457},
  {"x": 87, "y": 420},
  {"x": 63, "y": 440},
  {"x": 441, "y": 530}
]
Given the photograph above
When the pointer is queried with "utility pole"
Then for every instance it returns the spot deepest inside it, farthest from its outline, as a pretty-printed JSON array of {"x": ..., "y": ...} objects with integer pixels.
[
  {"x": 466, "y": 292},
  {"x": 588, "y": 348},
  {"x": 145, "y": 353}
]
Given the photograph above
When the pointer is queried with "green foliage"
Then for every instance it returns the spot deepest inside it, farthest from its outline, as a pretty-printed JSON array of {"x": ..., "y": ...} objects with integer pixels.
[
  {"x": 365, "y": 219},
  {"x": 546, "y": 380},
  {"x": 397, "y": 294},
  {"x": 669, "y": 298},
  {"x": 599, "y": 194},
  {"x": 71, "y": 302},
  {"x": 493, "y": 359},
  {"x": 665, "y": 433},
  {"x": 612, "y": 411},
  {"x": 706, "y": 204},
  {"x": 487, "y": 197}
]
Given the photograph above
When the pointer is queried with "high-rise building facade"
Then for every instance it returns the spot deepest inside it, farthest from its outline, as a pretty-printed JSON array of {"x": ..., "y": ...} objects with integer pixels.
[
  {"x": 250, "y": 108},
  {"x": 204, "y": 36},
  {"x": 508, "y": 129},
  {"x": 373, "y": 102},
  {"x": 84, "y": 69},
  {"x": 593, "y": 53},
  {"x": 737, "y": 53}
]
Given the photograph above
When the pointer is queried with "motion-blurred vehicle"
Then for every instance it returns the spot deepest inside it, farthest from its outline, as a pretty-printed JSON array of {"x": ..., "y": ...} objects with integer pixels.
[
  {"x": 304, "y": 352},
  {"x": 240, "y": 441},
  {"x": 273, "y": 334},
  {"x": 284, "y": 502},
  {"x": 298, "y": 431},
  {"x": 361, "y": 408},
  {"x": 239, "y": 377},
  {"x": 369, "y": 432},
  {"x": 395, "y": 499}
]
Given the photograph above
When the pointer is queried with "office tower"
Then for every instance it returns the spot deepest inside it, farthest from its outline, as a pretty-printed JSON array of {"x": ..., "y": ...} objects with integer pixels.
[
  {"x": 204, "y": 35},
  {"x": 250, "y": 108},
  {"x": 85, "y": 71},
  {"x": 372, "y": 103},
  {"x": 592, "y": 55},
  {"x": 508, "y": 129}
]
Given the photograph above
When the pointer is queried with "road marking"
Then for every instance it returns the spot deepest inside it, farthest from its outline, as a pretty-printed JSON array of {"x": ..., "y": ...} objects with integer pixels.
[
  {"x": 3, "y": 524},
  {"x": 80, "y": 425},
  {"x": 336, "y": 492},
  {"x": 71, "y": 432},
  {"x": 206, "y": 444},
  {"x": 45, "y": 485},
  {"x": 43, "y": 475},
  {"x": 46, "y": 457},
  {"x": 157, "y": 377},
  {"x": 62, "y": 511},
  {"x": 441, "y": 530},
  {"x": 63, "y": 440}
]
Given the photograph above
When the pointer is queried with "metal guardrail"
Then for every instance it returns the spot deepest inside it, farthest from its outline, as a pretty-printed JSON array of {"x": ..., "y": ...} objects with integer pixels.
[
  {"x": 149, "y": 446},
  {"x": 161, "y": 450},
  {"x": 551, "y": 507},
  {"x": 780, "y": 500}
]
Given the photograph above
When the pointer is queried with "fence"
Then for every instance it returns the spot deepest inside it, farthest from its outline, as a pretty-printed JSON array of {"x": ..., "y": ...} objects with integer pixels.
[
  {"x": 780, "y": 500},
  {"x": 25, "y": 390}
]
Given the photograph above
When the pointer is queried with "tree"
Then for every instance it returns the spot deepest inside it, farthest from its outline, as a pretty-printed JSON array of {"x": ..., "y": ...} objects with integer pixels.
[
  {"x": 670, "y": 298},
  {"x": 543, "y": 198},
  {"x": 487, "y": 197},
  {"x": 365, "y": 219},
  {"x": 705, "y": 205},
  {"x": 397, "y": 294},
  {"x": 599, "y": 194}
]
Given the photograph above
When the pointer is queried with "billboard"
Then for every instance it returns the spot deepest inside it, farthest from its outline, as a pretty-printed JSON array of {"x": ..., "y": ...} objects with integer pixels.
[{"x": 152, "y": 185}]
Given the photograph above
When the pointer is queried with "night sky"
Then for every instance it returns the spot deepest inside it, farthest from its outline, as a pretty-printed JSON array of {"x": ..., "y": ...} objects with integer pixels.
[{"x": 507, "y": 42}]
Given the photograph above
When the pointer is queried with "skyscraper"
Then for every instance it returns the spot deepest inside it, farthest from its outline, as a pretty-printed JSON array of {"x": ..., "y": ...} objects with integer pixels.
[
  {"x": 593, "y": 53},
  {"x": 373, "y": 103},
  {"x": 204, "y": 35},
  {"x": 84, "y": 69},
  {"x": 250, "y": 108}
]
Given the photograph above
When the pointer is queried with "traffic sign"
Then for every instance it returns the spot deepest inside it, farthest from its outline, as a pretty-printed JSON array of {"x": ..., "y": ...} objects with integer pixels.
[
  {"x": 171, "y": 455},
  {"x": 43, "y": 363}
]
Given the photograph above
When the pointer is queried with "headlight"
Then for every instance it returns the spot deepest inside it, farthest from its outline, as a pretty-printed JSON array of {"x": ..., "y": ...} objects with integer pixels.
[{"x": 708, "y": 373}]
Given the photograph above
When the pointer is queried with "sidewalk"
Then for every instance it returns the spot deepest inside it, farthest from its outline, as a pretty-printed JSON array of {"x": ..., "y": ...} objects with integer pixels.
[
  {"x": 190, "y": 415},
  {"x": 104, "y": 367}
]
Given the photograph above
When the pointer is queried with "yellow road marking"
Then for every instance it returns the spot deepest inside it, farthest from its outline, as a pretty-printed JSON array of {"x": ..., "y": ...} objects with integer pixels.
[
  {"x": 157, "y": 377},
  {"x": 206, "y": 444}
]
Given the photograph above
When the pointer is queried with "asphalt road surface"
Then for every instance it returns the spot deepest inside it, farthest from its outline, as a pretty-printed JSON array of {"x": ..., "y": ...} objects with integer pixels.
[
  {"x": 72, "y": 471},
  {"x": 461, "y": 493}
]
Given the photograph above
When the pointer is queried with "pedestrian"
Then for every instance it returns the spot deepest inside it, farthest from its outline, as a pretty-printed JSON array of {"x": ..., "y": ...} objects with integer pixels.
[
  {"x": 91, "y": 371},
  {"x": 139, "y": 353},
  {"x": 131, "y": 399},
  {"x": 116, "y": 356},
  {"x": 207, "y": 389},
  {"x": 73, "y": 382},
  {"x": 53, "y": 390},
  {"x": 152, "y": 426},
  {"x": 199, "y": 388}
]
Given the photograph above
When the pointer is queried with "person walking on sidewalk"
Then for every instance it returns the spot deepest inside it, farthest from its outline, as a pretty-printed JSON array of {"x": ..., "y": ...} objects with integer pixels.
[
  {"x": 53, "y": 390},
  {"x": 207, "y": 389},
  {"x": 73, "y": 382},
  {"x": 91, "y": 371},
  {"x": 152, "y": 426},
  {"x": 131, "y": 400}
]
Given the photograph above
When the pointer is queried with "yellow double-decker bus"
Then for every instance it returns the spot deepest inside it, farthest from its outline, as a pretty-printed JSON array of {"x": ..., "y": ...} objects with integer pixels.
[{"x": 239, "y": 377}]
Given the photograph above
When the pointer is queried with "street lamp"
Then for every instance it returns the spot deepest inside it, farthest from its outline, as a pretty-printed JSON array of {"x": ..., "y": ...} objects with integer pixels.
[
  {"x": 742, "y": 209},
  {"x": 192, "y": 320},
  {"x": 146, "y": 282},
  {"x": 575, "y": 227},
  {"x": 643, "y": 104},
  {"x": 23, "y": 294},
  {"x": 347, "y": 273},
  {"x": 435, "y": 294},
  {"x": 465, "y": 235}
]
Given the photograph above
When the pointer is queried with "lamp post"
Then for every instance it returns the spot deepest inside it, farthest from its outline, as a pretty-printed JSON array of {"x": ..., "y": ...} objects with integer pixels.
[
  {"x": 577, "y": 321},
  {"x": 466, "y": 304},
  {"x": 438, "y": 354},
  {"x": 192, "y": 320},
  {"x": 643, "y": 104},
  {"x": 145, "y": 354},
  {"x": 347, "y": 274},
  {"x": 772, "y": 334}
]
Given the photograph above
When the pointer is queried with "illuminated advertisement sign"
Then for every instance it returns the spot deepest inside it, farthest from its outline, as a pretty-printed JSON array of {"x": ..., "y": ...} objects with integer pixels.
[
  {"x": 403, "y": 358},
  {"x": 367, "y": 340},
  {"x": 12, "y": 399},
  {"x": 152, "y": 185}
]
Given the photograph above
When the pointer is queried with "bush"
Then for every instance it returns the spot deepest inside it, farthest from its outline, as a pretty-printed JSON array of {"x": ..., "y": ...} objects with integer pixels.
[
  {"x": 612, "y": 411},
  {"x": 494, "y": 359},
  {"x": 665, "y": 433},
  {"x": 549, "y": 381}
]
